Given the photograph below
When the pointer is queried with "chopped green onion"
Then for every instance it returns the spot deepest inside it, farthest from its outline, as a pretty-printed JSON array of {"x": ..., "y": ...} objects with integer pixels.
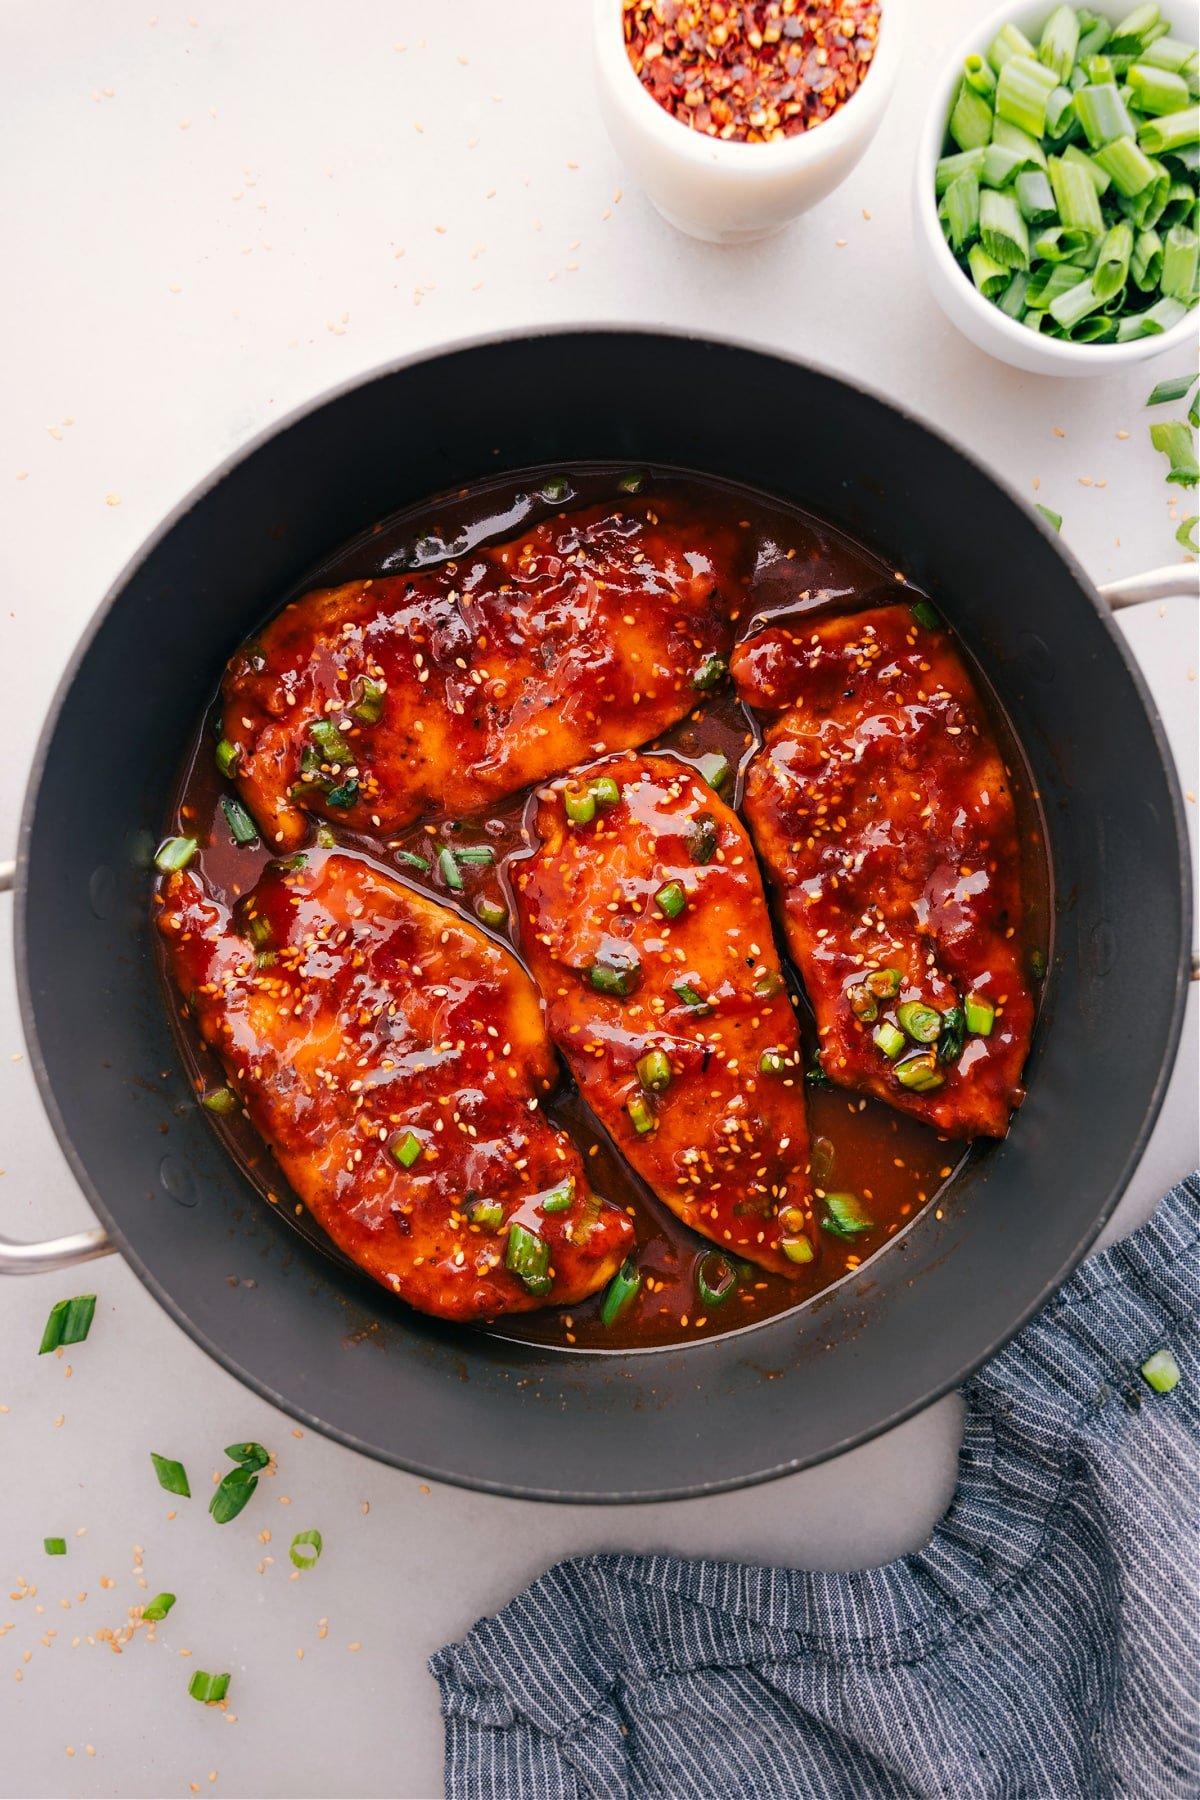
[
  {"x": 641, "y": 1114},
  {"x": 605, "y": 791},
  {"x": 211, "y": 1689},
  {"x": 1100, "y": 178},
  {"x": 980, "y": 1015},
  {"x": 1035, "y": 197},
  {"x": 712, "y": 670},
  {"x": 620, "y": 1292},
  {"x": 970, "y": 119},
  {"x": 232, "y": 1494},
  {"x": 171, "y": 1475},
  {"x": 1162, "y": 1372},
  {"x": 1157, "y": 90},
  {"x": 922, "y": 1023},
  {"x": 329, "y": 741},
  {"x": 474, "y": 854},
  {"x": 249, "y": 1455},
  {"x": 1186, "y": 535},
  {"x": 1053, "y": 519},
  {"x": 1012, "y": 300},
  {"x": 654, "y": 1071},
  {"x": 616, "y": 974},
  {"x": 411, "y": 860},
  {"x": 408, "y": 1150},
  {"x": 815, "y": 1074},
  {"x": 1112, "y": 267},
  {"x": 54, "y": 1546},
  {"x": 959, "y": 210},
  {"x": 884, "y": 983},
  {"x": 579, "y": 803},
  {"x": 684, "y": 991},
  {"x": 1000, "y": 164},
  {"x": 1010, "y": 138},
  {"x": 797, "y": 1249},
  {"x": 69, "y": 1322},
  {"x": 889, "y": 1039},
  {"x": 490, "y": 912},
  {"x": 1127, "y": 166},
  {"x": 227, "y": 756},
  {"x": 487, "y": 1214},
  {"x": 1175, "y": 440},
  {"x": 528, "y": 1258},
  {"x": 772, "y": 1062},
  {"x": 327, "y": 841},
  {"x": 306, "y": 1549},
  {"x": 1145, "y": 265},
  {"x": 1060, "y": 245},
  {"x": 1060, "y": 114},
  {"x": 1059, "y": 41},
  {"x": 448, "y": 865},
  {"x": 979, "y": 74},
  {"x": 769, "y": 985},
  {"x": 949, "y": 168},
  {"x": 1022, "y": 89},
  {"x": 950, "y": 1043},
  {"x": 257, "y": 929},
  {"x": 1009, "y": 41},
  {"x": 556, "y": 489},
  {"x": 863, "y": 1003},
  {"x": 714, "y": 768},
  {"x": 1132, "y": 33},
  {"x": 1181, "y": 263},
  {"x": 700, "y": 836},
  {"x": 845, "y": 1216},
  {"x": 716, "y": 1278},
  {"x": 671, "y": 899},
  {"x": 242, "y": 827},
  {"x": 560, "y": 1198},
  {"x": 633, "y": 482},
  {"x": 175, "y": 853},
  {"x": 925, "y": 615},
  {"x": 919, "y": 1072},
  {"x": 345, "y": 795},
  {"x": 1171, "y": 132},
  {"x": 368, "y": 707},
  {"x": 1069, "y": 308},
  {"x": 1094, "y": 33},
  {"x": 158, "y": 1608},
  {"x": 1102, "y": 113},
  {"x": 1158, "y": 318},
  {"x": 1076, "y": 197},
  {"x": 220, "y": 1100}
]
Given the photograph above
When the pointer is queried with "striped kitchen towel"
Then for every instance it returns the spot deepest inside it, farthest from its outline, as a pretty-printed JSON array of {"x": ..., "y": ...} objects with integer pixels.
[{"x": 1043, "y": 1645}]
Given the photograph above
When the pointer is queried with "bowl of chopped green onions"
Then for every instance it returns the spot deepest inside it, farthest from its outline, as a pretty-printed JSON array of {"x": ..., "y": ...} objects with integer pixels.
[{"x": 1058, "y": 185}]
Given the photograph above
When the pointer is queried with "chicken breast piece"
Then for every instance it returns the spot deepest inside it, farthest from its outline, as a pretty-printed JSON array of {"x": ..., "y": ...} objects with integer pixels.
[
  {"x": 644, "y": 923},
  {"x": 392, "y": 1056},
  {"x": 882, "y": 810},
  {"x": 448, "y": 689}
]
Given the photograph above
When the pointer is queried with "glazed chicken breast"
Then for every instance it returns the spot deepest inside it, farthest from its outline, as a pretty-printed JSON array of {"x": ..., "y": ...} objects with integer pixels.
[
  {"x": 448, "y": 689},
  {"x": 882, "y": 810},
  {"x": 393, "y": 1057},
  {"x": 645, "y": 927}
]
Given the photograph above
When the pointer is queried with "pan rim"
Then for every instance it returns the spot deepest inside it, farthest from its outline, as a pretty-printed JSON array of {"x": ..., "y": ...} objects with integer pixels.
[{"x": 175, "y": 1309}]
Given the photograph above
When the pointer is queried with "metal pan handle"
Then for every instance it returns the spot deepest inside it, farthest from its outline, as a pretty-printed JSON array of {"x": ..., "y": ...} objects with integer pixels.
[{"x": 55, "y": 1253}]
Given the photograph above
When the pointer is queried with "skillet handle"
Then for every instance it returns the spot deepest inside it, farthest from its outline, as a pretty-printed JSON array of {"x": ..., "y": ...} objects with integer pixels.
[
  {"x": 55, "y": 1253},
  {"x": 1155, "y": 584}
]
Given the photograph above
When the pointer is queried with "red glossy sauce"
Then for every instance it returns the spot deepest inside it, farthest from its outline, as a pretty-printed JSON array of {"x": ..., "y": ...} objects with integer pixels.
[{"x": 895, "y": 1163}]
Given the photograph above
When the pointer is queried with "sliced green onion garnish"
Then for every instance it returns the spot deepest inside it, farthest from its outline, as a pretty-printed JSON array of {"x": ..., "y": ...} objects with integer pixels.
[
  {"x": 959, "y": 210},
  {"x": 257, "y": 929},
  {"x": 242, "y": 827},
  {"x": 845, "y": 1216},
  {"x": 714, "y": 768},
  {"x": 407, "y": 1149},
  {"x": 1053, "y": 519},
  {"x": 220, "y": 1100},
  {"x": 989, "y": 276},
  {"x": 633, "y": 482},
  {"x": 671, "y": 899},
  {"x": 579, "y": 802},
  {"x": 769, "y": 985},
  {"x": 369, "y": 706},
  {"x": 1175, "y": 440},
  {"x": 950, "y": 1043},
  {"x": 556, "y": 489},
  {"x": 411, "y": 860},
  {"x": 69, "y": 1322},
  {"x": 966, "y": 162},
  {"x": 450, "y": 870},
  {"x": 772, "y": 1062},
  {"x": 620, "y": 1292},
  {"x": 1112, "y": 266},
  {"x": 925, "y": 615},
  {"x": 605, "y": 791},
  {"x": 797, "y": 1249},
  {"x": 490, "y": 912},
  {"x": 528, "y": 1258},
  {"x": 1186, "y": 537},
  {"x": 1127, "y": 167},
  {"x": 211, "y": 1689},
  {"x": 330, "y": 742},
  {"x": 863, "y": 1003},
  {"x": 1022, "y": 90},
  {"x": 716, "y": 1278},
  {"x": 1181, "y": 263},
  {"x": 343, "y": 796},
  {"x": 641, "y": 1114},
  {"x": 306, "y": 1549},
  {"x": 654, "y": 1071},
  {"x": 980, "y": 1015},
  {"x": 614, "y": 974},
  {"x": 474, "y": 855},
  {"x": 919, "y": 1072},
  {"x": 970, "y": 119},
  {"x": 487, "y": 1214},
  {"x": 883, "y": 983},
  {"x": 326, "y": 839},
  {"x": 249, "y": 1455},
  {"x": 921, "y": 1022},
  {"x": 889, "y": 1038},
  {"x": 54, "y": 1546},
  {"x": 227, "y": 756},
  {"x": 171, "y": 1475},
  {"x": 1075, "y": 197},
  {"x": 815, "y": 1074},
  {"x": 683, "y": 990},
  {"x": 1008, "y": 41},
  {"x": 560, "y": 1198},
  {"x": 1035, "y": 197},
  {"x": 174, "y": 853},
  {"x": 712, "y": 670},
  {"x": 158, "y": 1608},
  {"x": 1102, "y": 113},
  {"x": 232, "y": 1494},
  {"x": 979, "y": 74},
  {"x": 1162, "y": 1372},
  {"x": 700, "y": 836},
  {"x": 1157, "y": 90},
  {"x": 1159, "y": 137},
  {"x": 1059, "y": 41},
  {"x": 1100, "y": 179}
]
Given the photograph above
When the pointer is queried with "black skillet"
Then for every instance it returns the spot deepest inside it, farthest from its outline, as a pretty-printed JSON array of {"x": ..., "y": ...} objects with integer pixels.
[{"x": 329, "y": 1347}]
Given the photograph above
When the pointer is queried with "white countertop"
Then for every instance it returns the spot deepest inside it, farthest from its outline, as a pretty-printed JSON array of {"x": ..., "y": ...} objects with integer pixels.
[{"x": 207, "y": 220}]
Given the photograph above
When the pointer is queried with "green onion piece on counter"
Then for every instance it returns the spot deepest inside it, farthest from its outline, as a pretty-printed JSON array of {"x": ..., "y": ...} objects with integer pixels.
[
  {"x": 1162, "y": 1372},
  {"x": 863, "y": 1003},
  {"x": 327, "y": 841},
  {"x": 556, "y": 489},
  {"x": 716, "y": 1278},
  {"x": 249, "y": 1455},
  {"x": 1009, "y": 41},
  {"x": 54, "y": 1546},
  {"x": 890, "y": 1039},
  {"x": 950, "y": 1043},
  {"x": 633, "y": 482},
  {"x": 883, "y": 983},
  {"x": 620, "y": 1292},
  {"x": 1160, "y": 136},
  {"x": 654, "y": 1071},
  {"x": 925, "y": 615},
  {"x": 487, "y": 1214},
  {"x": 211, "y": 1689},
  {"x": 157, "y": 1609},
  {"x": 411, "y": 860},
  {"x": 1053, "y": 519},
  {"x": 712, "y": 670},
  {"x": 1156, "y": 90},
  {"x": 845, "y": 1216},
  {"x": 980, "y": 1015},
  {"x": 232, "y": 1494},
  {"x": 797, "y": 1249},
  {"x": 978, "y": 74},
  {"x": 772, "y": 1062},
  {"x": 671, "y": 899},
  {"x": 1035, "y": 197},
  {"x": 490, "y": 912},
  {"x": 329, "y": 741},
  {"x": 614, "y": 974},
  {"x": 959, "y": 211},
  {"x": 1075, "y": 197},
  {"x": 1022, "y": 89},
  {"x": 69, "y": 1322},
  {"x": 922, "y": 1023},
  {"x": 970, "y": 119},
  {"x": 700, "y": 836},
  {"x": 714, "y": 768},
  {"x": 919, "y": 1072},
  {"x": 1186, "y": 535},
  {"x": 641, "y": 1114},
  {"x": 1181, "y": 263},
  {"x": 451, "y": 875},
  {"x": 220, "y": 1100},
  {"x": 306, "y": 1549},
  {"x": 560, "y": 1198},
  {"x": 1059, "y": 41},
  {"x": 1176, "y": 441},
  {"x": 174, "y": 853},
  {"x": 528, "y": 1258},
  {"x": 474, "y": 855},
  {"x": 171, "y": 1475},
  {"x": 368, "y": 707},
  {"x": 1112, "y": 267},
  {"x": 605, "y": 791},
  {"x": 579, "y": 803},
  {"x": 227, "y": 756},
  {"x": 407, "y": 1150},
  {"x": 241, "y": 826},
  {"x": 683, "y": 990},
  {"x": 1168, "y": 392}
]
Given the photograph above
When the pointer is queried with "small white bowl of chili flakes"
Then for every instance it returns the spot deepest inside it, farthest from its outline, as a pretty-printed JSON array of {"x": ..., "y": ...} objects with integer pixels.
[{"x": 737, "y": 115}]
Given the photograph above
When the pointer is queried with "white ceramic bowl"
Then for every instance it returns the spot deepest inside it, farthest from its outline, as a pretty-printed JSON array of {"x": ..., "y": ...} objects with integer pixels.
[
  {"x": 986, "y": 326},
  {"x": 731, "y": 193}
]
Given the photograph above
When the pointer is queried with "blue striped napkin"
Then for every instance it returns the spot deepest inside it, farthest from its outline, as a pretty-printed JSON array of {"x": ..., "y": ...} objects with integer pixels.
[{"x": 1043, "y": 1645}]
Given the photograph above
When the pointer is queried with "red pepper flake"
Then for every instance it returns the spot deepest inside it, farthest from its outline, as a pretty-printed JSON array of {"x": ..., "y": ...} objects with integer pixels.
[{"x": 750, "y": 71}]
